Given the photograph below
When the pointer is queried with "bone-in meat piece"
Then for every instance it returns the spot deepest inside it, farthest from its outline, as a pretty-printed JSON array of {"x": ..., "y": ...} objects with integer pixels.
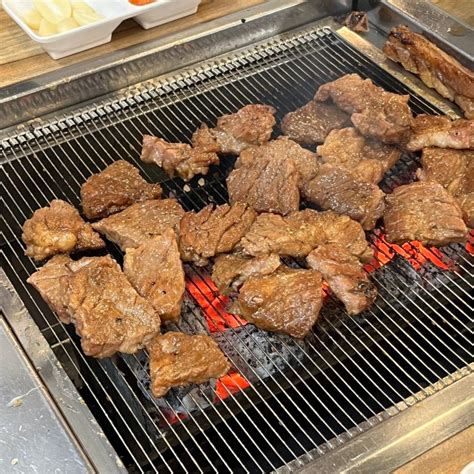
[
  {"x": 177, "y": 159},
  {"x": 114, "y": 189},
  {"x": 436, "y": 69},
  {"x": 426, "y": 212},
  {"x": 51, "y": 282},
  {"x": 251, "y": 125},
  {"x": 345, "y": 276},
  {"x": 442, "y": 132},
  {"x": 178, "y": 359},
  {"x": 311, "y": 123},
  {"x": 213, "y": 231},
  {"x": 297, "y": 234},
  {"x": 156, "y": 272},
  {"x": 454, "y": 170},
  {"x": 366, "y": 159},
  {"x": 231, "y": 271},
  {"x": 356, "y": 21},
  {"x": 269, "y": 183},
  {"x": 286, "y": 301},
  {"x": 335, "y": 189},
  {"x": 140, "y": 222},
  {"x": 109, "y": 315},
  {"x": 375, "y": 112},
  {"x": 56, "y": 229}
]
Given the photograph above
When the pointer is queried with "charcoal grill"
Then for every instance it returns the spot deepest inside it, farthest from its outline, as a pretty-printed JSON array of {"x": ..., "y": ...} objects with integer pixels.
[{"x": 286, "y": 405}]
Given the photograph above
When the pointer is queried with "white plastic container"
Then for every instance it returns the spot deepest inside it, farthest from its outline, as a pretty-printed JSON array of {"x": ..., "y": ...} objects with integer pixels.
[{"x": 100, "y": 32}]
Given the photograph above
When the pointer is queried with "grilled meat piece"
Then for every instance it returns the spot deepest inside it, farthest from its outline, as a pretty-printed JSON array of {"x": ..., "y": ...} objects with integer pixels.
[
  {"x": 356, "y": 21},
  {"x": 251, "y": 125},
  {"x": 232, "y": 270},
  {"x": 366, "y": 159},
  {"x": 436, "y": 69},
  {"x": 213, "y": 231},
  {"x": 375, "y": 112},
  {"x": 51, "y": 282},
  {"x": 440, "y": 131},
  {"x": 267, "y": 182},
  {"x": 454, "y": 170},
  {"x": 297, "y": 234},
  {"x": 109, "y": 315},
  {"x": 345, "y": 276},
  {"x": 426, "y": 212},
  {"x": 286, "y": 301},
  {"x": 140, "y": 222},
  {"x": 177, "y": 159},
  {"x": 156, "y": 272},
  {"x": 56, "y": 229},
  {"x": 335, "y": 189},
  {"x": 114, "y": 189},
  {"x": 311, "y": 123},
  {"x": 178, "y": 359}
]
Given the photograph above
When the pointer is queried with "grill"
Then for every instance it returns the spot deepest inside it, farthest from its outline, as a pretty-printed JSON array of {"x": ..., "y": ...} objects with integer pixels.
[{"x": 285, "y": 402}]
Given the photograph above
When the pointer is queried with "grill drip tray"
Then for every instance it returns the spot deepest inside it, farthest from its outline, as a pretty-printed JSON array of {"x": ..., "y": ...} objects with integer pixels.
[{"x": 284, "y": 398}]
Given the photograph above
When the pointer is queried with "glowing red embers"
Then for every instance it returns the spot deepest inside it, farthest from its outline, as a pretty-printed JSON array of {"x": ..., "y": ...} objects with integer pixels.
[
  {"x": 213, "y": 304},
  {"x": 470, "y": 243},
  {"x": 229, "y": 384}
]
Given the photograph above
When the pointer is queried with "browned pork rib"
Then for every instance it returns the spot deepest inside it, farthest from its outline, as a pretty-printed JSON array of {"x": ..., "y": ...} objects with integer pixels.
[
  {"x": 178, "y": 359},
  {"x": 213, "y": 231},
  {"x": 56, "y": 229},
  {"x": 51, "y": 282},
  {"x": 251, "y": 125},
  {"x": 426, "y": 212},
  {"x": 297, "y": 234},
  {"x": 335, "y": 189},
  {"x": 367, "y": 160},
  {"x": 109, "y": 315},
  {"x": 442, "y": 132},
  {"x": 156, "y": 272},
  {"x": 375, "y": 112},
  {"x": 140, "y": 222},
  {"x": 114, "y": 189},
  {"x": 269, "y": 183},
  {"x": 454, "y": 170},
  {"x": 311, "y": 123},
  {"x": 437, "y": 69},
  {"x": 345, "y": 276},
  {"x": 231, "y": 271},
  {"x": 177, "y": 159},
  {"x": 286, "y": 301}
]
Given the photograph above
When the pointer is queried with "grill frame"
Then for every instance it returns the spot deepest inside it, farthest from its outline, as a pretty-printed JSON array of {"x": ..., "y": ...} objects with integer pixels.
[{"x": 120, "y": 108}]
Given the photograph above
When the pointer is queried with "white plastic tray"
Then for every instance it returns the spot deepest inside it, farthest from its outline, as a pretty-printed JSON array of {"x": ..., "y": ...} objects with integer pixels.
[{"x": 113, "y": 11}]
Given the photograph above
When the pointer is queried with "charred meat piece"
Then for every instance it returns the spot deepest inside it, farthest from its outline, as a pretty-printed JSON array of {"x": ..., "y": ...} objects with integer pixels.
[
  {"x": 375, "y": 112},
  {"x": 436, "y": 69},
  {"x": 155, "y": 270},
  {"x": 140, "y": 222},
  {"x": 454, "y": 170},
  {"x": 251, "y": 125},
  {"x": 335, "y": 189},
  {"x": 58, "y": 228},
  {"x": 232, "y": 270},
  {"x": 51, "y": 282},
  {"x": 177, "y": 159},
  {"x": 442, "y": 132},
  {"x": 311, "y": 123},
  {"x": 297, "y": 234},
  {"x": 356, "y": 21},
  {"x": 267, "y": 182},
  {"x": 286, "y": 301},
  {"x": 426, "y": 212},
  {"x": 109, "y": 315},
  {"x": 213, "y": 231},
  {"x": 345, "y": 276},
  {"x": 178, "y": 359},
  {"x": 366, "y": 159},
  {"x": 114, "y": 189}
]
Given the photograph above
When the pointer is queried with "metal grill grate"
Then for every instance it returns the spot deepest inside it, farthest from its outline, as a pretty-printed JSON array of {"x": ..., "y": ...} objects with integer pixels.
[{"x": 348, "y": 375}]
